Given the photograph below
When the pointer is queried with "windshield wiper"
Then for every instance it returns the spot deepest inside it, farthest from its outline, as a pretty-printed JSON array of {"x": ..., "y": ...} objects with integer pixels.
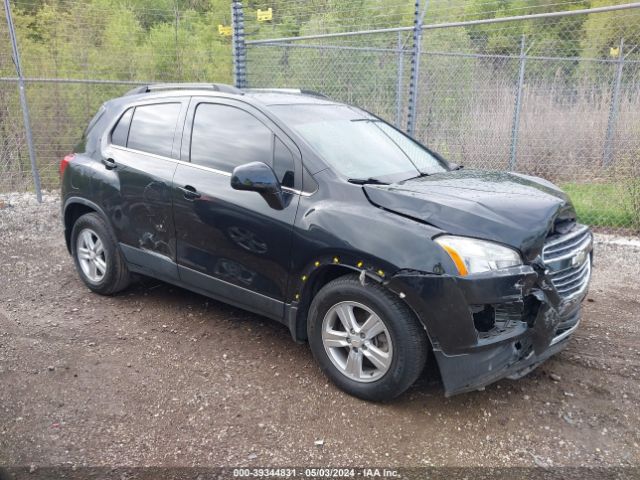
[
  {"x": 420, "y": 175},
  {"x": 367, "y": 181},
  {"x": 455, "y": 166}
]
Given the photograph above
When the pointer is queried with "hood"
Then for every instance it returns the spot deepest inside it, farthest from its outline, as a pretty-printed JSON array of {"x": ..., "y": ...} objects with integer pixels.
[{"x": 509, "y": 208}]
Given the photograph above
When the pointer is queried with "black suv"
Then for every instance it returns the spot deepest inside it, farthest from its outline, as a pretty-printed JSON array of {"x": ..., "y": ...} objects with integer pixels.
[{"x": 326, "y": 218}]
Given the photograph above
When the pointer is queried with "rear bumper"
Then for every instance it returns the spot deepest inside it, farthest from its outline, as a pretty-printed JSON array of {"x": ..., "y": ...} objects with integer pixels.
[{"x": 470, "y": 357}]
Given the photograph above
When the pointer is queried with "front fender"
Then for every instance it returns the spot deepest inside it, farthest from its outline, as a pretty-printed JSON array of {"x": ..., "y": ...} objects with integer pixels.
[{"x": 360, "y": 236}]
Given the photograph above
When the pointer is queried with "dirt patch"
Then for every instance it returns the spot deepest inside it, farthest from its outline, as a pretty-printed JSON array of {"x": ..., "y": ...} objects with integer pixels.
[{"x": 161, "y": 376}]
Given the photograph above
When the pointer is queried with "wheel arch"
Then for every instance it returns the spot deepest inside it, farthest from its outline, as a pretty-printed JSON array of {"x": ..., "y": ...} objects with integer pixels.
[
  {"x": 74, "y": 208},
  {"x": 317, "y": 279},
  {"x": 324, "y": 274}
]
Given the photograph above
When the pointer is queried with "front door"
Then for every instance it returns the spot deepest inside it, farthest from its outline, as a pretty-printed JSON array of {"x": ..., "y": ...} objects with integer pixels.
[{"x": 230, "y": 243}]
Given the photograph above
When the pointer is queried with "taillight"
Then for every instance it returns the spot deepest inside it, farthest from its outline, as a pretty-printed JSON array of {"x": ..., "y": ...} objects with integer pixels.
[{"x": 65, "y": 162}]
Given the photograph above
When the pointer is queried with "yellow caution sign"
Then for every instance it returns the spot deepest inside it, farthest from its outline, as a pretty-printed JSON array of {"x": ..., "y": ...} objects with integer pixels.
[
  {"x": 224, "y": 30},
  {"x": 265, "y": 15}
]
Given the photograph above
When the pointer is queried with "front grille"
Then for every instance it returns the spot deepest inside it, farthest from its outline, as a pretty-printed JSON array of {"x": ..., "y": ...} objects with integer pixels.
[
  {"x": 562, "y": 245},
  {"x": 572, "y": 280},
  {"x": 569, "y": 262}
]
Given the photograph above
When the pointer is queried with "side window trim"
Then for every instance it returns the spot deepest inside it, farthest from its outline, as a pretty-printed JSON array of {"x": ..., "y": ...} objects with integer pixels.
[
  {"x": 184, "y": 127},
  {"x": 133, "y": 112},
  {"x": 178, "y": 136}
]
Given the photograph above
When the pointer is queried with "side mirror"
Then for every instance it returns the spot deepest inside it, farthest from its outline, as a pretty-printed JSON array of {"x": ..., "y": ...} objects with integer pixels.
[{"x": 259, "y": 177}]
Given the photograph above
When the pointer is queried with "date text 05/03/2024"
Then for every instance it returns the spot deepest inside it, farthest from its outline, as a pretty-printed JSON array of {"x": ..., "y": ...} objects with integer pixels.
[{"x": 315, "y": 473}]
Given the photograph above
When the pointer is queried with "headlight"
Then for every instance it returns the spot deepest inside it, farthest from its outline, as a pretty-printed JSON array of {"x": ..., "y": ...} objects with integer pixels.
[{"x": 474, "y": 256}]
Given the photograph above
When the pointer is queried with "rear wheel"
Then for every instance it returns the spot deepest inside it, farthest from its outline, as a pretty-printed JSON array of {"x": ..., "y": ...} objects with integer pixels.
[
  {"x": 366, "y": 339},
  {"x": 97, "y": 257}
]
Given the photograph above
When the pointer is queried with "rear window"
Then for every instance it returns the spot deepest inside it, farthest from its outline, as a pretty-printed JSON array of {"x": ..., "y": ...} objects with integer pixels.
[{"x": 152, "y": 128}]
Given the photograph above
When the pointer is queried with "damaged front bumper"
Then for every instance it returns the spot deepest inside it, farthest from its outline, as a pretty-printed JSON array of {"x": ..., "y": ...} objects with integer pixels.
[{"x": 497, "y": 324}]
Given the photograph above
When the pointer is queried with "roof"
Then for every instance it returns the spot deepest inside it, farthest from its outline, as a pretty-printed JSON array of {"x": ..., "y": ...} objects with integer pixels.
[
  {"x": 284, "y": 98},
  {"x": 169, "y": 87},
  {"x": 266, "y": 96}
]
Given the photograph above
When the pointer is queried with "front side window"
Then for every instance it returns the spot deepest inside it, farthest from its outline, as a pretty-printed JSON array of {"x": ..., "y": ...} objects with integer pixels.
[
  {"x": 224, "y": 137},
  {"x": 358, "y": 145},
  {"x": 152, "y": 128}
]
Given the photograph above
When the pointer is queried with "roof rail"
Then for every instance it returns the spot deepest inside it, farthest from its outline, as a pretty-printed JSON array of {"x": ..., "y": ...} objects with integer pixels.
[
  {"x": 158, "y": 87},
  {"x": 294, "y": 91}
]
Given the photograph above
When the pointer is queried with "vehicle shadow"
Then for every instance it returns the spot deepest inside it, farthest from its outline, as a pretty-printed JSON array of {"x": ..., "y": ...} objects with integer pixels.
[{"x": 215, "y": 316}]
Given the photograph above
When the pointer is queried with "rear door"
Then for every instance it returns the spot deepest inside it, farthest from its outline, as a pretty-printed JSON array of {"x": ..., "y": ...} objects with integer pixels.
[
  {"x": 230, "y": 243},
  {"x": 142, "y": 153}
]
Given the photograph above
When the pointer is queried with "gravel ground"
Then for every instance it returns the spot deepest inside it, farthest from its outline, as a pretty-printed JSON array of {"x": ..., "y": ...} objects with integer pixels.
[{"x": 161, "y": 376}]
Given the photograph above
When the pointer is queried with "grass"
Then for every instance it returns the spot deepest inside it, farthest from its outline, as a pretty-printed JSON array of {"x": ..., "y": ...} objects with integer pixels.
[{"x": 602, "y": 204}]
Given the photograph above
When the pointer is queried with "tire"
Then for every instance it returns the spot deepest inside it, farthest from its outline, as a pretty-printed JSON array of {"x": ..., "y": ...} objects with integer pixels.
[
  {"x": 89, "y": 263},
  {"x": 376, "y": 374}
]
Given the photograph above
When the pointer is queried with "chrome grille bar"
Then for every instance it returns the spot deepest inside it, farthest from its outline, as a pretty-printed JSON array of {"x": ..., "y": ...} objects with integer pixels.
[
  {"x": 560, "y": 246},
  {"x": 565, "y": 277},
  {"x": 558, "y": 254}
]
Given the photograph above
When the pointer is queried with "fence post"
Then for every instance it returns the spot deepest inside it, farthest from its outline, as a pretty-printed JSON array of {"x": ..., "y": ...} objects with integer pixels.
[
  {"x": 400, "y": 74},
  {"x": 239, "y": 49},
  {"x": 515, "y": 126},
  {"x": 415, "y": 67},
  {"x": 23, "y": 102},
  {"x": 613, "y": 109}
]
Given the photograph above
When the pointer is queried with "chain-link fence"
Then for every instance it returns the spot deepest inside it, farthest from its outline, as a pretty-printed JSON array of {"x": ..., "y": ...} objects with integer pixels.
[
  {"x": 552, "y": 94},
  {"x": 77, "y": 54},
  {"x": 545, "y": 88}
]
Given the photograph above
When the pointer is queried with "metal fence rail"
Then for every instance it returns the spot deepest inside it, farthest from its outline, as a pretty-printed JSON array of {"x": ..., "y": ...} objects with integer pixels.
[{"x": 550, "y": 89}]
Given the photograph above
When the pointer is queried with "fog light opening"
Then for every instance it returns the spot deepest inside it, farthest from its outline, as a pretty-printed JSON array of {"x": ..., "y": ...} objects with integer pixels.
[{"x": 484, "y": 318}]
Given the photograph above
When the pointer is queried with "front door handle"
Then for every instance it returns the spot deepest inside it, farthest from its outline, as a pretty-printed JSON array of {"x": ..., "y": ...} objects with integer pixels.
[
  {"x": 189, "y": 192},
  {"x": 109, "y": 163}
]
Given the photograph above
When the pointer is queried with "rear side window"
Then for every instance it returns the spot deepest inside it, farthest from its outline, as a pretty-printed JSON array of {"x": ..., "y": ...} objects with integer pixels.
[
  {"x": 121, "y": 132},
  {"x": 224, "y": 137},
  {"x": 152, "y": 128}
]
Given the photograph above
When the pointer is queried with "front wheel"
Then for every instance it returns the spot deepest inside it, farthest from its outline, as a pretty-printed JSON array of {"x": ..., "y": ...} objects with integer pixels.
[{"x": 366, "y": 339}]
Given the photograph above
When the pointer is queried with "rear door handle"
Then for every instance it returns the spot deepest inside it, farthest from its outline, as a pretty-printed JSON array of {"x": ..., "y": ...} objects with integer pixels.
[
  {"x": 189, "y": 192},
  {"x": 109, "y": 163}
]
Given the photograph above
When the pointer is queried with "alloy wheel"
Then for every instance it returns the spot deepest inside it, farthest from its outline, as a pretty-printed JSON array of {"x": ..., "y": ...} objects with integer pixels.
[
  {"x": 91, "y": 255},
  {"x": 357, "y": 341}
]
